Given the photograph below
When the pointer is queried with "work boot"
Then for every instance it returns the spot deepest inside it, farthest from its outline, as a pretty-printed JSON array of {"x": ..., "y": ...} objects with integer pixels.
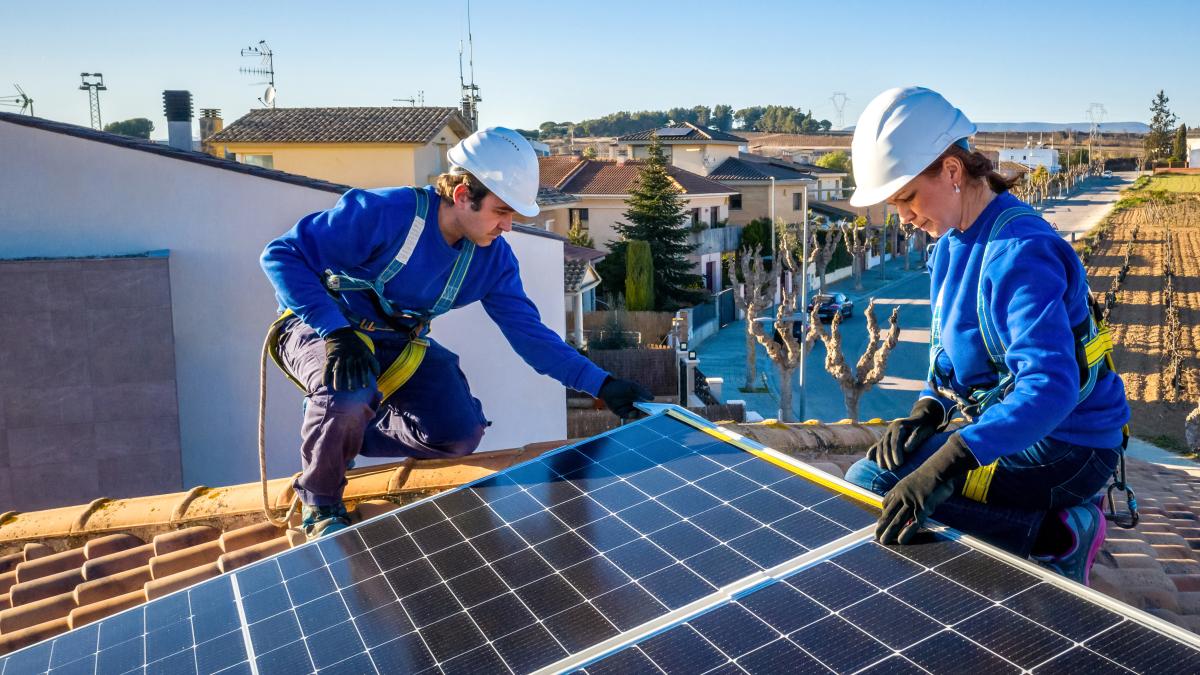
[
  {"x": 1087, "y": 527},
  {"x": 322, "y": 520}
]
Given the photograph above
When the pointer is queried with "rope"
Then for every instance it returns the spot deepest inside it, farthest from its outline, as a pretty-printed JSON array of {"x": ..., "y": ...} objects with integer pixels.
[{"x": 262, "y": 438}]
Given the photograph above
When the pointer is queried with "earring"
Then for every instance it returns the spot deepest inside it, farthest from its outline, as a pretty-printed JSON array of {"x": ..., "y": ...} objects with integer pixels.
[{"x": 956, "y": 190}]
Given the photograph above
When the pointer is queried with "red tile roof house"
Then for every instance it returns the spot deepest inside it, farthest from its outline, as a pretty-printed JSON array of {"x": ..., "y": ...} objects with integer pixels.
[
  {"x": 152, "y": 384},
  {"x": 64, "y": 568}
]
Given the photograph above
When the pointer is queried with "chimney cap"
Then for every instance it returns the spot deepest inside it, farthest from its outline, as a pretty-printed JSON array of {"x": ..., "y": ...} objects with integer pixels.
[{"x": 177, "y": 105}]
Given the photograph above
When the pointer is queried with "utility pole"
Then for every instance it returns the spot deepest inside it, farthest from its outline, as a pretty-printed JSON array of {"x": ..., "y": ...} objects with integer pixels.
[
  {"x": 1096, "y": 114},
  {"x": 803, "y": 296},
  {"x": 470, "y": 92},
  {"x": 772, "y": 221},
  {"x": 93, "y": 84}
]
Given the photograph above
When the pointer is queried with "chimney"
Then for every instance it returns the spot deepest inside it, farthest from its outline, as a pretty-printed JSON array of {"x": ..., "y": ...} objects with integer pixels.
[
  {"x": 210, "y": 123},
  {"x": 177, "y": 104}
]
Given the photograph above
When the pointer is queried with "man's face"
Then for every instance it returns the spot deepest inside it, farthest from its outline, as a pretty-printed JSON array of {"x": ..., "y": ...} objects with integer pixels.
[{"x": 484, "y": 226}]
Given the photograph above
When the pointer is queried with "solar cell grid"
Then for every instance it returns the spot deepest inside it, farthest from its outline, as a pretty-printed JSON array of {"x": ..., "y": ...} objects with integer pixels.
[
  {"x": 903, "y": 609},
  {"x": 534, "y": 565}
]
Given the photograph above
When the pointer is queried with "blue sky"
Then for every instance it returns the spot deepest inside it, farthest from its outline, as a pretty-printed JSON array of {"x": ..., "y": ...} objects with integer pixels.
[{"x": 536, "y": 61}]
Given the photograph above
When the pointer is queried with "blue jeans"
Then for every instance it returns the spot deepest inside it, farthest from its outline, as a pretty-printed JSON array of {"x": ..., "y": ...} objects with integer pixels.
[
  {"x": 433, "y": 416},
  {"x": 1048, "y": 476}
]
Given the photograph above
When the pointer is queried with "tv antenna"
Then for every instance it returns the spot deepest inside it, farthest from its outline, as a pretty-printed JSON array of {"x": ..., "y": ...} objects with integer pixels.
[
  {"x": 20, "y": 100},
  {"x": 839, "y": 99},
  {"x": 265, "y": 67},
  {"x": 93, "y": 83},
  {"x": 470, "y": 92},
  {"x": 419, "y": 99}
]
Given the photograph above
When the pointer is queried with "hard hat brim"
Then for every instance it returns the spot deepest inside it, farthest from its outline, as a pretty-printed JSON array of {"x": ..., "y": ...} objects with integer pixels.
[{"x": 870, "y": 197}]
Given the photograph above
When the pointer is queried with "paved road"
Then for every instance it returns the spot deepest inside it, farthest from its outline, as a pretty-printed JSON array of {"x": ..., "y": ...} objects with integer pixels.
[{"x": 1080, "y": 212}]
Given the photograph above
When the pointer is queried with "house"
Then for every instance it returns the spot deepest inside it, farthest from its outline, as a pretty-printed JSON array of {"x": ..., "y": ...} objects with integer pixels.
[
  {"x": 112, "y": 240},
  {"x": 580, "y": 280},
  {"x": 757, "y": 178},
  {"x": 360, "y": 147},
  {"x": 803, "y": 148},
  {"x": 603, "y": 185},
  {"x": 687, "y": 146},
  {"x": 1193, "y": 149},
  {"x": 1032, "y": 158}
]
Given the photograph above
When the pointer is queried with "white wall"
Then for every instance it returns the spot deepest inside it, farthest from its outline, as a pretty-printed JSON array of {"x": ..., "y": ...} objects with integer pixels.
[{"x": 75, "y": 197}]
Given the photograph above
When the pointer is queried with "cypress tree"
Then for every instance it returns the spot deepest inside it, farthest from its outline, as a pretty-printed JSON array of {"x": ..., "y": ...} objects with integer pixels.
[
  {"x": 656, "y": 215},
  {"x": 639, "y": 277}
]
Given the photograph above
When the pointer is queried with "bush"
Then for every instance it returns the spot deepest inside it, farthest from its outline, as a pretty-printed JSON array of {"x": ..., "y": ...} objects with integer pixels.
[{"x": 639, "y": 276}]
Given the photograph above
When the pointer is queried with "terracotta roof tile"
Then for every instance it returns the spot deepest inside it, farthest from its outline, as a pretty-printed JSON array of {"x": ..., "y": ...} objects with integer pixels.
[
  {"x": 393, "y": 124},
  {"x": 616, "y": 177},
  {"x": 95, "y": 611},
  {"x": 552, "y": 170},
  {"x": 31, "y": 614},
  {"x": 111, "y": 586},
  {"x": 120, "y": 561},
  {"x": 179, "y": 540},
  {"x": 185, "y": 558},
  {"x": 43, "y": 587},
  {"x": 102, "y": 546},
  {"x": 253, "y": 553},
  {"x": 24, "y": 637},
  {"x": 189, "y": 576},
  {"x": 51, "y": 564}
]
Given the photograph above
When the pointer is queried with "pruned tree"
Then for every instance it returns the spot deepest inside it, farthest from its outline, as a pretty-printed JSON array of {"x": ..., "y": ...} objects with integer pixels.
[
  {"x": 784, "y": 349},
  {"x": 752, "y": 296},
  {"x": 857, "y": 236},
  {"x": 871, "y": 365},
  {"x": 826, "y": 253}
]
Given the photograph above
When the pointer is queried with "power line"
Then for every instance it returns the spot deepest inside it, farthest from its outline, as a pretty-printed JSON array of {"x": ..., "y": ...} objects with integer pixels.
[
  {"x": 20, "y": 100},
  {"x": 840, "y": 99}
]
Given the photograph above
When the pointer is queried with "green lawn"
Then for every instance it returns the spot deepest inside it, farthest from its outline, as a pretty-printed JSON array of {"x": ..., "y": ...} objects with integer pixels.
[{"x": 1175, "y": 183}]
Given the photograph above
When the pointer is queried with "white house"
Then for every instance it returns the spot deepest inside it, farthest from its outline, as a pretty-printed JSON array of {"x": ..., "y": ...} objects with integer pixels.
[
  {"x": 1032, "y": 157},
  {"x": 80, "y": 192},
  {"x": 1193, "y": 149}
]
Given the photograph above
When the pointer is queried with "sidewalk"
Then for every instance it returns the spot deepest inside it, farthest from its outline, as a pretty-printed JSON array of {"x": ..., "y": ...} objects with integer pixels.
[{"x": 724, "y": 354}]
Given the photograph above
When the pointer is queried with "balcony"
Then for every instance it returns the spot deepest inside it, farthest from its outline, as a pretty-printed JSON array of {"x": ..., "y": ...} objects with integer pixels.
[{"x": 716, "y": 239}]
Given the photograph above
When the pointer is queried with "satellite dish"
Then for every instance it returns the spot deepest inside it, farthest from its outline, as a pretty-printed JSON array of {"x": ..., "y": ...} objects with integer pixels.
[{"x": 269, "y": 95}]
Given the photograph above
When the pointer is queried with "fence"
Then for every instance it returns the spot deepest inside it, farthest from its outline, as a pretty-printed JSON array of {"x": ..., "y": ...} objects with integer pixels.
[
  {"x": 654, "y": 368},
  {"x": 716, "y": 239},
  {"x": 653, "y": 326},
  {"x": 586, "y": 423}
]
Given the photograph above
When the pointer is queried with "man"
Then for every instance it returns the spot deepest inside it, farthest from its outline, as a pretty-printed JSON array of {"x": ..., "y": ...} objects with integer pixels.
[{"x": 358, "y": 285}]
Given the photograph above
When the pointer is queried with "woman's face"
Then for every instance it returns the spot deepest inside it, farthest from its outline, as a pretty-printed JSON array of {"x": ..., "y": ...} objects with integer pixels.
[{"x": 929, "y": 201}]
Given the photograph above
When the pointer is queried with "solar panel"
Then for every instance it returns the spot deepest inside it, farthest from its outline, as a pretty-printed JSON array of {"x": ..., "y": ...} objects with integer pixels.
[
  {"x": 673, "y": 131},
  {"x": 666, "y": 544},
  {"x": 513, "y": 572},
  {"x": 940, "y": 606}
]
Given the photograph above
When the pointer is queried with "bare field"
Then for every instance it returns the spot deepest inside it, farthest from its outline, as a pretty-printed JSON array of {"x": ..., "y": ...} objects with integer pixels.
[
  {"x": 1139, "y": 321},
  {"x": 1175, "y": 183}
]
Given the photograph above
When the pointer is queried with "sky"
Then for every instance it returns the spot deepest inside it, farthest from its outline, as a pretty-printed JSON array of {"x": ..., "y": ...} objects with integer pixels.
[{"x": 1011, "y": 61}]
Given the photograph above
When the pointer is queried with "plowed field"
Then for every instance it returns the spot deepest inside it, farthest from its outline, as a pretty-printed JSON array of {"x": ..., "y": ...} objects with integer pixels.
[{"x": 1139, "y": 320}]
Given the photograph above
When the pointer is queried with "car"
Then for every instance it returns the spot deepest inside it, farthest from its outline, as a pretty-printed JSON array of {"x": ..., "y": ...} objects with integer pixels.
[
  {"x": 829, "y": 304},
  {"x": 1106, "y": 174}
]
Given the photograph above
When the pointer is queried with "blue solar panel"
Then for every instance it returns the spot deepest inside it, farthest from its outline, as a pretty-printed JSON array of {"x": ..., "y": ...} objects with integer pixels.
[{"x": 619, "y": 553}]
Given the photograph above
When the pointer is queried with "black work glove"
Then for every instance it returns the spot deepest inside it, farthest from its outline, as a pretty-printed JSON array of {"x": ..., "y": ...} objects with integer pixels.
[
  {"x": 349, "y": 362},
  {"x": 907, "y": 505},
  {"x": 620, "y": 395},
  {"x": 903, "y": 436}
]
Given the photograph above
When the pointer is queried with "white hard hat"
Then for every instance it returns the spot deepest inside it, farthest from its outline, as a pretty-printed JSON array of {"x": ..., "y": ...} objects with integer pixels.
[
  {"x": 900, "y": 133},
  {"x": 504, "y": 162}
]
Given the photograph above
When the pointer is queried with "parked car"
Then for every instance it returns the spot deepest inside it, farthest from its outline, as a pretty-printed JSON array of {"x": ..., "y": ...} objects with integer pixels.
[
  {"x": 1106, "y": 174},
  {"x": 829, "y": 304}
]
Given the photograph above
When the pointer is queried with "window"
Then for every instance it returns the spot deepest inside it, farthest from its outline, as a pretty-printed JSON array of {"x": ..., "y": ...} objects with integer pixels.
[
  {"x": 735, "y": 202},
  {"x": 264, "y": 161},
  {"x": 549, "y": 225},
  {"x": 696, "y": 217},
  {"x": 714, "y": 216},
  {"x": 579, "y": 218},
  {"x": 797, "y": 202}
]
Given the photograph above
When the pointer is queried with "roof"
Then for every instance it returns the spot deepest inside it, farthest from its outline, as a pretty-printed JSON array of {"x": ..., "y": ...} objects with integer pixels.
[
  {"x": 750, "y": 167},
  {"x": 829, "y": 140},
  {"x": 695, "y": 134},
  {"x": 574, "y": 272},
  {"x": 573, "y": 252},
  {"x": 143, "y": 145},
  {"x": 814, "y": 169},
  {"x": 551, "y": 197},
  {"x": 413, "y": 124},
  {"x": 832, "y": 212},
  {"x": 554, "y": 168},
  {"x": 618, "y": 177},
  {"x": 63, "y": 568}
]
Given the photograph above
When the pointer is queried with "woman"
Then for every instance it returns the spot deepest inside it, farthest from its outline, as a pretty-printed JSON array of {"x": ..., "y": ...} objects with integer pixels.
[{"x": 1014, "y": 349}]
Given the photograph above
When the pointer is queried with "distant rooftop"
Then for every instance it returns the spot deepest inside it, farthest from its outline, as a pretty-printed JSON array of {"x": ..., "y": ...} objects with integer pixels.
[
  {"x": 342, "y": 125},
  {"x": 579, "y": 176},
  {"x": 750, "y": 167},
  {"x": 682, "y": 132}
]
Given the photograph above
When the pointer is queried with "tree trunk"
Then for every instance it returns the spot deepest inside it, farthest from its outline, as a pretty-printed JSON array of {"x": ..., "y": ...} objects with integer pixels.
[
  {"x": 850, "y": 397},
  {"x": 751, "y": 361},
  {"x": 785, "y": 394},
  {"x": 860, "y": 262}
]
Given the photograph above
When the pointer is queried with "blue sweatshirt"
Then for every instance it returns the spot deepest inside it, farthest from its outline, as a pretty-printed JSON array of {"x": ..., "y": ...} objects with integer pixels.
[
  {"x": 1036, "y": 291},
  {"x": 361, "y": 235}
]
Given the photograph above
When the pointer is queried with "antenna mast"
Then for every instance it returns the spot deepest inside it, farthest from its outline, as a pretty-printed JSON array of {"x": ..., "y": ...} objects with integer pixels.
[
  {"x": 419, "y": 99},
  {"x": 266, "y": 66},
  {"x": 470, "y": 92},
  {"x": 839, "y": 99},
  {"x": 19, "y": 100},
  {"x": 93, "y": 83}
]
